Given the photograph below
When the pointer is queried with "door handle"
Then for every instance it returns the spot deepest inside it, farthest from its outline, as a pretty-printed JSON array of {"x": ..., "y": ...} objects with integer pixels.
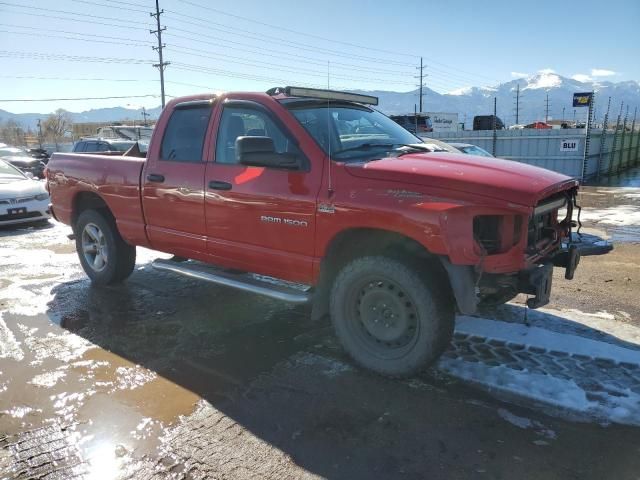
[
  {"x": 218, "y": 185},
  {"x": 155, "y": 177}
]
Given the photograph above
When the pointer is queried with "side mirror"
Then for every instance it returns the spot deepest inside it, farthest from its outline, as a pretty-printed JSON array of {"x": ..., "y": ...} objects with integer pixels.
[
  {"x": 261, "y": 152},
  {"x": 29, "y": 175}
]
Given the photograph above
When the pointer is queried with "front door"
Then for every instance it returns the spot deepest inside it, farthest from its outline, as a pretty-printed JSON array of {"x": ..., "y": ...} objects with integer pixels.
[
  {"x": 260, "y": 219},
  {"x": 173, "y": 183}
]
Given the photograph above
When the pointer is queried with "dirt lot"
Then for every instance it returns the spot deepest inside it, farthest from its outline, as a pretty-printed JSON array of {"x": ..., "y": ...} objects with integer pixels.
[{"x": 165, "y": 377}]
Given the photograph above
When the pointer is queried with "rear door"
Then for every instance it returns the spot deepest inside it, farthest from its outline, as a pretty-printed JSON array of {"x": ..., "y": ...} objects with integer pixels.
[
  {"x": 173, "y": 182},
  {"x": 260, "y": 219}
]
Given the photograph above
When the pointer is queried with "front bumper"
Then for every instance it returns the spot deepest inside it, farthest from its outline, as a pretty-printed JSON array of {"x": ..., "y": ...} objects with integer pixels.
[{"x": 26, "y": 212}]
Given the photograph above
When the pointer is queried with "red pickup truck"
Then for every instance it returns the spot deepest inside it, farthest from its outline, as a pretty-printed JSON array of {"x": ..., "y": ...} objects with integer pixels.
[{"x": 345, "y": 208}]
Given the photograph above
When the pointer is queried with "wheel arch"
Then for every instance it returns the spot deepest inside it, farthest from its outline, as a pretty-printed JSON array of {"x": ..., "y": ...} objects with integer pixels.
[
  {"x": 89, "y": 201},
  {"x": 359, "y": 242}
]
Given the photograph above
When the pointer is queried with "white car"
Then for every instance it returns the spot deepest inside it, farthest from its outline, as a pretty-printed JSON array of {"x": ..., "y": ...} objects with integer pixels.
[{"x": 22, "y": 199}]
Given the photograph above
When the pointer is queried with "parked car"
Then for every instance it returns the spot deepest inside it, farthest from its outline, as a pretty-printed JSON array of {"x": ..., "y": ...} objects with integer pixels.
[
  {"x": 106, "y": 146},
  {"x": 470, "y": 149},
  {"x": 22, "y": 199},
  {"x": 414, "y": 123},
  {"x": 39, "y": 153},
  {"x": 22, "y": 160},
  {"x": 377, "y": 231},
  {"x": 485, "y": 122},
  {"x": 538, "y": 126}
]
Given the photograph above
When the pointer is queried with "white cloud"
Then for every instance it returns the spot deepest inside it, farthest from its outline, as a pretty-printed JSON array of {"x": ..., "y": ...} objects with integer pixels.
[
  {"x": 519, "y": 75},
  {"x": 582, "y": 77},
  {"x": 602, "y": 72},
  {"x": 547, "y": 71}
]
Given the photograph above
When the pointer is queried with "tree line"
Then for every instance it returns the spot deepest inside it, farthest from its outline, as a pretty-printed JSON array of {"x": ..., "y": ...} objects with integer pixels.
[{"x": 55, "y": 128}]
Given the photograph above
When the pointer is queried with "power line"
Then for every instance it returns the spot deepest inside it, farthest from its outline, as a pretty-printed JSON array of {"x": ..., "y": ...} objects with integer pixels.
[
  {"x": 285, "y": 56},
  {"x": 49, "y": 17},
  {"x": 40, "y": 29},
  {"x": 111, "y": 6},
  {"x": 315, "y": 73},
  {"x": 281, "y": 28},
  {"x": 66, "y": 12},
  {"x": 70, "y": 58},
  {"x": 61, "y": 37},
  {"x": 72, "y": 99},
  {"x": 298, "y": 46},
  {"x": 30, "y": 77}
]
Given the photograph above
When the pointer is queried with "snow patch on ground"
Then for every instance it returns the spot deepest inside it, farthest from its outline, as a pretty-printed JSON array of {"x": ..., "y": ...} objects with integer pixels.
[
  {"x": 546, "y": 339},
  {"x": 329, "y": 367},
  {"x": 587, "y": 369},
  {"x": 9, "y": 346},
  {"x": 526, "y": 423},
  {"x": 620, "y": 215}
]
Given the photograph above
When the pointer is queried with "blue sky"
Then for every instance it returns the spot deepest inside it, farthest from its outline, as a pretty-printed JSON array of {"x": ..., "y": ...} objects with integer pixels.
[{"x": 217, "y": 46}]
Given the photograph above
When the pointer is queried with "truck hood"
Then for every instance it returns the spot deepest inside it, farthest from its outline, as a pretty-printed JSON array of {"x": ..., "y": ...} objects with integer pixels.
[{"x": 506, "y": 180}]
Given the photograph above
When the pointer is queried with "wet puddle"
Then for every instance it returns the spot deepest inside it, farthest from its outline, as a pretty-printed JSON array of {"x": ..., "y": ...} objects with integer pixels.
[{"x": 611, "y": 208}]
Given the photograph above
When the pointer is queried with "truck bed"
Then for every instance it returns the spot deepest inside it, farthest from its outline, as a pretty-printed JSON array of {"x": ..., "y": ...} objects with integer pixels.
[{"x": 73, "y": 177}]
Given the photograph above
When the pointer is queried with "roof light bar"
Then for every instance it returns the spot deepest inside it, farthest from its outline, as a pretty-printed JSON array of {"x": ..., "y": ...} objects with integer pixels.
[{"x": 330, "y": 95}]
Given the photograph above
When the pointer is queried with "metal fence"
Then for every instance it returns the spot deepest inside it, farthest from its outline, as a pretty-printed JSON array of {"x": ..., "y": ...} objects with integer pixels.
[{"x": 561, "y": 150}]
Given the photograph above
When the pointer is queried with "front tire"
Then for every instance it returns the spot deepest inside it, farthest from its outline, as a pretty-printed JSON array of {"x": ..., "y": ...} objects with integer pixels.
[
  {"x": 105, "y": 256},
  {"x": 391, "y": 318}
]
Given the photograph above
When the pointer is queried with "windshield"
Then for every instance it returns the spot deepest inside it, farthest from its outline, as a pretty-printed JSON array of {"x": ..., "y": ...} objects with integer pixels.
[
  {"x": 351, "y": 132},
  {"x": 9, "y": 172},
  {"x": 473, "y": 150}
]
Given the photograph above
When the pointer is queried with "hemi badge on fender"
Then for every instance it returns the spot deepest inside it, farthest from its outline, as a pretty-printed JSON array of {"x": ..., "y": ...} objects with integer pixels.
[{"x": 326, "y": 208}]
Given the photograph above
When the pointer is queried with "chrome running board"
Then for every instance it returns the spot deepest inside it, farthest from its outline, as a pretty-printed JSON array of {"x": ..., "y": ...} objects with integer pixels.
[{"x": 248, "y": 282}]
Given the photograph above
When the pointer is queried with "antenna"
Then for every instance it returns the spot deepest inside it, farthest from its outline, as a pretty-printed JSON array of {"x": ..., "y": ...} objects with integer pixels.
[{"x": 330, "y": 179}]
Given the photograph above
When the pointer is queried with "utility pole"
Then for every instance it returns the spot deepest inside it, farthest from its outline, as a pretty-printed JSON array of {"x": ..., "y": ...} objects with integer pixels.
[
  {"x": 144, "y": 116},
  {"x": 161, "y": 65},
  {"x": 40, "y": 133},
  {"x": 421, "y": 78},
  {"x": 563, "y": 114},
  {"x": 546, "y": 109},
  {"x": 495, "y": 126},
  {"x": 518, "y": 104}
]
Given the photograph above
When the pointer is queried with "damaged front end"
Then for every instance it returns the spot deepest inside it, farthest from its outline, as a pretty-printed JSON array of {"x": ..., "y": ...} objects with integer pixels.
[
  {"x": 548, "y": 245},
  {"x": 542, "y": 241}
]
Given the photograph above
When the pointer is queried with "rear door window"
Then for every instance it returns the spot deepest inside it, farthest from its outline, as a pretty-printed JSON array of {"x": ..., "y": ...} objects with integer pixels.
[{"x": 184, "y": 136}]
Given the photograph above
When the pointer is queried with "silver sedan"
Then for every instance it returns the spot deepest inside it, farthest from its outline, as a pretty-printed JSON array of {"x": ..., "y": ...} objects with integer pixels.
[{"x": 22, "y": 199}]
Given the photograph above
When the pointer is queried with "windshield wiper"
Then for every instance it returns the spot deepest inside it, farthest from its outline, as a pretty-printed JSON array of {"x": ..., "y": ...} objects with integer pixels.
[{"x": 364, "y": 146}]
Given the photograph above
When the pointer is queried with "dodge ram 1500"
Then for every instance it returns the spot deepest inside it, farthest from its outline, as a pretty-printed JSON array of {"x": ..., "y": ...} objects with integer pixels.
[{"x": 318, "y": 189}]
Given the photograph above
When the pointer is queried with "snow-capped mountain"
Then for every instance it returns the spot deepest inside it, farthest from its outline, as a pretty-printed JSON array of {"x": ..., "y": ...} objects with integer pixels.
[
  {"x": 472, "y": 101},
  {"x": 466, "y": 101}
]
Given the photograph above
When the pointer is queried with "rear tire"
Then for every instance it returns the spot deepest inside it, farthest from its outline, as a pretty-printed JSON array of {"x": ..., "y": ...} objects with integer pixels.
[
  {"x": 391, "y": 318},
  {"x": 105, "y": 256}
]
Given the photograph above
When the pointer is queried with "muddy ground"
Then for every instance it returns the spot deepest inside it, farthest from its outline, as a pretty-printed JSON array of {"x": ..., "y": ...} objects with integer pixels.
[{"x": 165, "y": 377}]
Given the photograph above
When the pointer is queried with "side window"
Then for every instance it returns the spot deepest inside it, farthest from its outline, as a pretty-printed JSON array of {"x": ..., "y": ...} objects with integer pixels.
[
  {"x": 79, "y": 147},
  {"x": 184, "y": 136},
  {"x": 90, "y": 147},
  {"x": 247, "y": 122},
  {"x": 103, "y": 147}
]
